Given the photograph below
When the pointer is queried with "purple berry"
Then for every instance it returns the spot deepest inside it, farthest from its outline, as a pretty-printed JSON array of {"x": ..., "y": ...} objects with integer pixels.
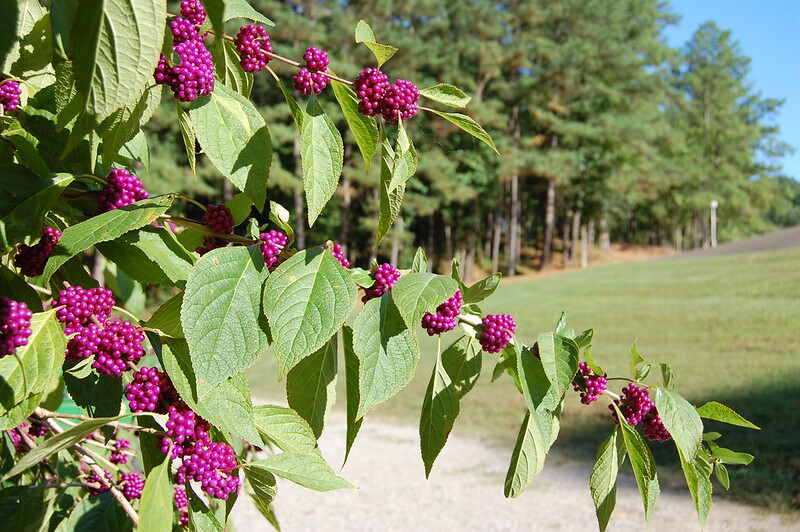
[
  {"x": 498, "y": 329},
  {"x": 15, "y": 325},
  {"x": 593, "y": 385},
  {"x": 219, "y": 219},
  {"x": 338, "y": 254},
  {"x": 192, "y": 76},
  {"x": 194, "y": 11},
  {"x": 132, "y": 485},
  {"x": 400, "y": 99},
  {"x": 653, "y": 427},
  {"x": 100, "y": 485},
  {"x": 634, "y": 404},
  {"x": 114, "y": 345},
  {"x": 445, "y": 318},
  {"x": 253, "y": 43},
  {"x": 9, "y": 95},
  {"x": 31, "y": 259},
  {"x": 370, "y": 86},
  {"x": 385, "y": 276},
  {"x": 16, "y": 439},
  {"x": 182, "y": 30},
  {"x": 122, "y": 188},
  {"x": 38, "y": 429},
  {"x": 306, "y": 82},
  {"x": 272, "y": 243},
  {"x": 150, "y": 391},
  {"x": 316, "y": 59},
  {"x": 81, "y": 306},
  {"x": 117, "y": 456}
]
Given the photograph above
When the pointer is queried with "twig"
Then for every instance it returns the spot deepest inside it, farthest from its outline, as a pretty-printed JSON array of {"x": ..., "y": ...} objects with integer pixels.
[
  {"x": 41, "y": 290},
  {"x": 192, "y": 201},
  {"x": 611, "y": 394},
  {"x": 127, "y": 313},
  {"x": 46, "y": 414},
  {"x": 185, "y": 222}
]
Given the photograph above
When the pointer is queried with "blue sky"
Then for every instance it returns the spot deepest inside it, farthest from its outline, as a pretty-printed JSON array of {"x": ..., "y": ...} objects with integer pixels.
[{"x": 769, "y": 33}]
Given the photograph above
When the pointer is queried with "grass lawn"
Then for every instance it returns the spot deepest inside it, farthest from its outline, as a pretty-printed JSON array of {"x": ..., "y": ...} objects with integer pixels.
[{"x": 729, "y": 326}]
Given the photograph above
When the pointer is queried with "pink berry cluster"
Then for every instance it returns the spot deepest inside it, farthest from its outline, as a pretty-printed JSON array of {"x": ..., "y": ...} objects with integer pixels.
[
  {"x": 591, "y": 386},
  {"x": 15, "y": 325},
  {"x": 193, "y": 11},
  {"x": 82, "y": 306},
  {"x": 182, "y": 504},
  {"x": 122, "y": 188},
  {"x": 272, "y": 243},
  {"x": 653, "y": 427},
  {"x": 445, "y": 318},
  {"x": 637, "y": 407},
  {"x": 150, "y": 391},
  {"x": 385, "y": 276},
  {"x": 117, "y": 456},
  {"x": 33, "y": 430},
  {"x": 31, "y": 259},
  {"x": 116, "y": 344},
  {"x": 99, "y": 485},
  {"x": 253, "y": 43},
  {"x": 338, "y": 254},
  {"x": 392, "y": 100},
  {"x": 132, "y": 485},
  {"x": 498, "y": 329},
  {"x": 311, "y": 78},
  {"x": 217, "y": 218},
  {"x": 9, "y": 95},
  {"x": 193, "y": 75}
]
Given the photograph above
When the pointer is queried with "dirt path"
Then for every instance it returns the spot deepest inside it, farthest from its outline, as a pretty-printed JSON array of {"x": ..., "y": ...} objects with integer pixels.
[
  {"x": 783, "y": 238},
  {"x": 465, "y": 494}
]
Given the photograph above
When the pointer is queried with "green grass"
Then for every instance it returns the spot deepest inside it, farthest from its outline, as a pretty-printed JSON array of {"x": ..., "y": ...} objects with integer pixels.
[{"x": 728, "y": 326}]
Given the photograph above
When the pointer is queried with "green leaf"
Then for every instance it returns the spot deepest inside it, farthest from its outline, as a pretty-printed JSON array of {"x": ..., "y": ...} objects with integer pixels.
[
  {"x": 20, "y": 411},
  {"x": 308, "y": 470},
  {"x": 681, "y": 420},
  {"x": 420, "y": 262},
  {"x": 667, "y": 376},
  {"x": 711, "y": 436},
  {"x": 698, "y": 479},
  {"x": 60, "y": 442},
  {"x": 536, "y": 387},
  {"x": 722, "y": 476},
  {"x": 27, "y": 508},
  {"x": 97, "y": 514},
  {"x": 398, "y": 165},
  {"x": 481, "y": 289},
  {"x": 189, "y": 137},
  {"x": 15, "y": 287},
  {"x": 642, "y": 463},
  {"x": 364, "y": 32},
  {"x": 584, "y": 339},
  {"x": 351, "y": 367},
  {"x": 419, "y": 292},
  {"x": 439, "y": 412},
  {"x": 115, "y": 46},
  {"x": 155, "y": 508},
  {"x": 97, "y": 395},
  {"x": 386, "y": 351},
  {"x": 229, "y": 67},
  {"x": 365, "y": 35},
  {"x": 561, "y": 324},
  {"x": 34, "y": 366},
  {"x": 240, "y": 206},
  {"x": 101, "y": 228},
  {"x": 559, "y": 357},
  {"x": 280, "y": 217},
  {"x": 26, "y": 42},
  {"x": 151, "y": 255},
  {"x": 603, "y": 479},
  {"x": 306, "y": 299},
  {"x": 446, "y": 94},
  {"x": 362, "y": 277},
  {"x": 719, "y": 412},
  {"x": 220, "y": 313},
  {"x": 727, "y": 456},
  {"x": 462, "y": 362},
  {"x": 124, "y": 124},
  {"x": 226, "y": 405},
  {"x": 242, "y": 9},
  {"x": 263, "y": 484},
  {"x": 26, "y": 216},
  {"x": 364, "y": 128},
  {"x": 311, "y": 385},
  {"x": 235, "y": 139},
  {"x": 469, "y": 125},
  {"x": 167, "y": 318},
  {"x": 527, "y": 460},
  {"x": 285, "y": 428},
  {"x": 321, "y": 158}
]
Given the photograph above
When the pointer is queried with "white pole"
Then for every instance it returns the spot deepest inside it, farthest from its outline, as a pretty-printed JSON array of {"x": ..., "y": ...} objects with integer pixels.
[{"x": 714, "y": 205}]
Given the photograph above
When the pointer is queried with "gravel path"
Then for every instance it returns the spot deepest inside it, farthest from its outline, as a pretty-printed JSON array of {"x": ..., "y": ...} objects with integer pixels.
[
  {"x": 465, "y": 493},
  {"x": 780, "y": 239}
]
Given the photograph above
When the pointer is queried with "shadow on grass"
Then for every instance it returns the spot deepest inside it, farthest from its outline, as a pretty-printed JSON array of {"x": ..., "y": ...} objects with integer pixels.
[{"x": 772, "y": 480}]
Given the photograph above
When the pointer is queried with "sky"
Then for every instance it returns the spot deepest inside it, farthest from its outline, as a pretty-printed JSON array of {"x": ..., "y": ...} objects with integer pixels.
[{"x": 769, "y": 33}]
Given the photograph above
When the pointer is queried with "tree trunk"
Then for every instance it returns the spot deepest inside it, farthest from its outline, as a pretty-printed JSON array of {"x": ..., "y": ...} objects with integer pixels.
[
  {"x": 566, "y": 242},
  {"x": 592, "y": 235},
  {"x": 397, "y": 235},
  {"x": 549, "y": 224},
  {"x": 448, "y": 239},
  {"x": 584, "y": 246},
  {"x": 605, "y": 237},
  {"x": 513, "y": 227},
  {"x": 497, "y": 233},
  {"x": 576, "y": 228}
]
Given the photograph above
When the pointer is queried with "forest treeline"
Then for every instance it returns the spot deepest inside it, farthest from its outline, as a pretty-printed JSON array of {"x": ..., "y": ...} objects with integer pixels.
[{"x": 606, "y": 132}]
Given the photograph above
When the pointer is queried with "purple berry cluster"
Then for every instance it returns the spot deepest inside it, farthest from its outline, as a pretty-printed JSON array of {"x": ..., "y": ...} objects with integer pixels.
[
  {"x": 592, "y": 385},
  {"x": 338, "y": 254},
  {"x": 445, "y": 318},
  {"x": 31, "y": 259},
  {"x": 150, "y": 391},
  {"x": 115, "y": 345},
  {"x": 117, "y": 456},
  {"x": 81, "y": 306},
  {"x": 15, "y": 325},
  {"x": 217, "y": 218},
  {"x": 193, "y": 11},
  {"x": 132, "y": 485},
  {"x": 311, "y": 78},
  {"x": 370, "y": 85},
  {"x": 182, "y": 504},
  {"x": 193, "y": 75},
  {"x": 122, "y": 188},
  {"x": 9, "y": 95},
  {"x": 33, "y": 430},
  {"x": 498, "y": 329},
  {"x": 99, "y": 485},
  {"x": 385, "y": 276},
  {"x": 253, "y": 43},
  {"x": 272, "y": 243},
  {"x": 653, "y": 427},
  {"x": 634, "y": 404}
]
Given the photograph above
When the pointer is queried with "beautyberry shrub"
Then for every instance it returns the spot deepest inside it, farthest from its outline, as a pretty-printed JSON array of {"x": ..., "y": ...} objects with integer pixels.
[
  {"x": 306, "y": 82},
  {"x": 497, "y": 332},
  {"x": 32, "y": 259},
  {"x": 338, "y": 254},
  {"x": 253, "y": 43},
  {"x": 272, "y": 243},
  {"x": 81, "y": 306},
  {"x": 370, "y": 86},
  {"x": 122, "y": 188},
  {"x": 150, "y": 391},
  {"x": 634, "y": 404},
  {"x": 132, "y": 485},
  {"x": 192, "y": 76},
  {"x": 385, "y": 276},
  {"x": 9, "y": 95},
  {"x": 445, "y": 317},
  {"x": 15, "y": 325},
  {"x": 653, "y": 427},
  {"x": 592, "y": 385},
  {"x": 194, "y": 11},
  {"x": 400, "y": 100},
  {"x": 114, "y": 345},
  {"x": 182, "y": 30}
]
